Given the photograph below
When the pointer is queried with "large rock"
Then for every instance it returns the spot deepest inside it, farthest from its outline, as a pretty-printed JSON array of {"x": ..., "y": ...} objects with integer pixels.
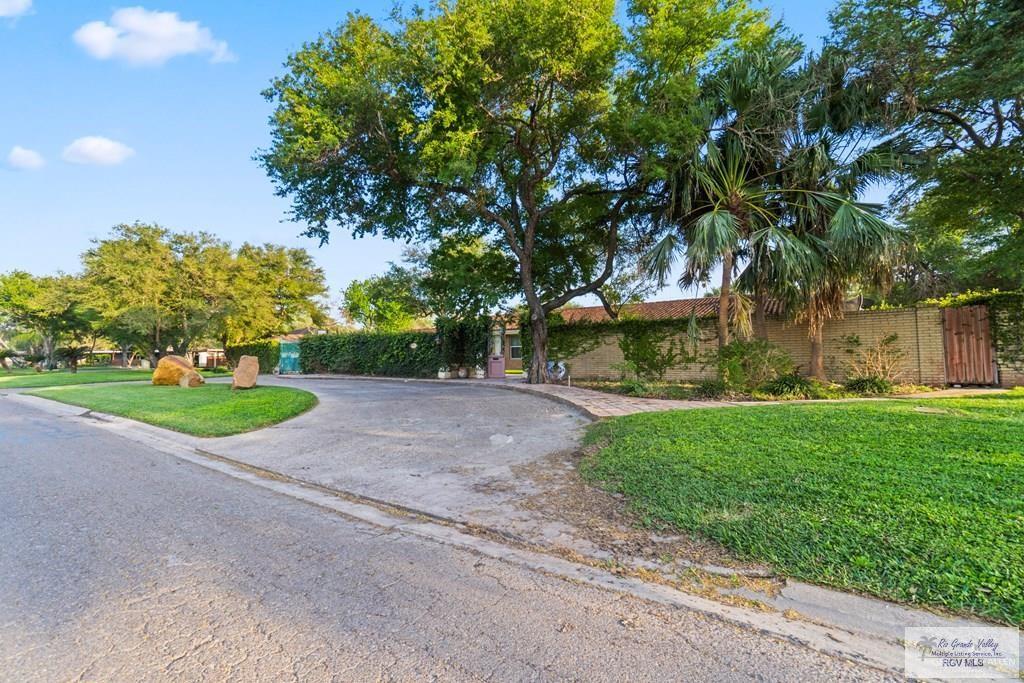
[
  {"x": 244, "y": 376},
  {"x": 176, "y": 370}
]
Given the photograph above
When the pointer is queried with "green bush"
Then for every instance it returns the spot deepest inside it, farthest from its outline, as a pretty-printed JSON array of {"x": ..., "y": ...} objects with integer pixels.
[
  {"x": 635, "y": 387},
  {"x": 869, "y": 386},
  {"x": 386, "y": 354},
  {"x": 267, "y": 351},
  {"x": 710, "y": 389},
  {"x": 744, "y": 365},
  {"x": 788, "y": 386},
  {"x": 463, "y": 342}
]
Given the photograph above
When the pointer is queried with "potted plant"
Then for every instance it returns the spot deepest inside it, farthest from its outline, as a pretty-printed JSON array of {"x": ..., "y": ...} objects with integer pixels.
[{"x": 444, "y": 372}]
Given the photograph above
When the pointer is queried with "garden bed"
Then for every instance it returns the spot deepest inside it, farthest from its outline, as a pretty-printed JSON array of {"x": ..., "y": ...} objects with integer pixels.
[{"x": 711, "y": 390}]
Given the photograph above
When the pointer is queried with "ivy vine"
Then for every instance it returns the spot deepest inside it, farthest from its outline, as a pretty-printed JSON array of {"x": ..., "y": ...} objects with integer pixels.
[
  {"x": 1006, "y": 320},
  {"x": 649, "y": 347}
]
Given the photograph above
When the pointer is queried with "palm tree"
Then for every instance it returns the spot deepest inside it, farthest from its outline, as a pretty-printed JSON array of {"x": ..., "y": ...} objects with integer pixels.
[
  {"x": 725, "y": 210},
  {"x": 719, "y": 205},
  {"x": 828, "y": 162},
  {"x": 777, "y": 192}
]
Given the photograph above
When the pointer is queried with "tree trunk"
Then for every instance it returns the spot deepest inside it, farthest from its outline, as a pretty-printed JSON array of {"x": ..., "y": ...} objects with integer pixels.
[
  {"x": 49, "y": 349},
  {"x": 158, "y": 350},
  {"x": 723, "y": 300},
  {"x": 539, "y": 340},
  {"x": 817, "y": 369},
  {"x": 760, "y": 318}
]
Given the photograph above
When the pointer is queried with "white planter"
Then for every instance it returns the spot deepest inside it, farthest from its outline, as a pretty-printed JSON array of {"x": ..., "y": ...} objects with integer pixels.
[
  {"x": 444, "y": 373},
  {"x": 479, "y": 372}
]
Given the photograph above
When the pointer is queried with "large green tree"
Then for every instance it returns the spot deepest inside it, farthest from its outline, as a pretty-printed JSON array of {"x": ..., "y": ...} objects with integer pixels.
[
  {"x": 536, "y": 124},
  {"x": 391, "y": 302},
  {"x": 945, "y": 77},
  {"x": 55, "y": 309},
  {"x": 147, "y": 294},
  {"x": 274, "y": 289},
  {"x": 157, "y": 289}
]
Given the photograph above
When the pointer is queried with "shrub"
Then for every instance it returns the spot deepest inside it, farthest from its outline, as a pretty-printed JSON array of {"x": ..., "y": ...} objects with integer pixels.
[
  {"x": 387, "y": 354},
  {"x": 880, "y": 361},
  {"x": 744, "y": 365},
  {"x": 869, "y": 386},
  {"x": 710, "y": 389},
  {"x": 267, "y": 351},
  {"x": 788, "y": 386},
  {"x": 635, "y": 387}
]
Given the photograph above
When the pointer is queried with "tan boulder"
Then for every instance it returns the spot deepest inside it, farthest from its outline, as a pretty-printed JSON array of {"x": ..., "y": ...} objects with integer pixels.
[
  {"x": 244, "y": 376},
  {"x": 176, "y": 370}
]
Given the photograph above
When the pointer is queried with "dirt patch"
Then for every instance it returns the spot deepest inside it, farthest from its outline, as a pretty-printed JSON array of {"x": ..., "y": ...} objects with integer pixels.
[{"x": 604, "y": 520}]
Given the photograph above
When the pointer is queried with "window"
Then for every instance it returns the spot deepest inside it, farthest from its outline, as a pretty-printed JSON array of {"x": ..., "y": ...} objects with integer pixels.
[{"x": 515, "y": 347}]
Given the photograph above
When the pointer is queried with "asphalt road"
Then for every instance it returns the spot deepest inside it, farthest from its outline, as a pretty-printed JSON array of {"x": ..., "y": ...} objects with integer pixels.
[{"x": 120, "y": 563}]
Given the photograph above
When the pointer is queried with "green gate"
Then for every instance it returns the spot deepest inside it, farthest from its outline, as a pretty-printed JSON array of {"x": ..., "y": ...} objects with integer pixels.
[{"x": 289, "y": 363}]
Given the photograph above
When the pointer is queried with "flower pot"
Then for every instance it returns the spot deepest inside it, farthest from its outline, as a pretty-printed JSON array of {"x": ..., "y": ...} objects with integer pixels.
[
  {"x": 479, "y": 373},
  {"x": 444, "y": 373},
  {"x": 463, "y": 373}
]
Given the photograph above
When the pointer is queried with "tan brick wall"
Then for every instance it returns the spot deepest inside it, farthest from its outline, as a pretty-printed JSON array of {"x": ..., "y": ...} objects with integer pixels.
[
  {"x": 919, "y": 334},
  {"x": 1008, "y": 377}
]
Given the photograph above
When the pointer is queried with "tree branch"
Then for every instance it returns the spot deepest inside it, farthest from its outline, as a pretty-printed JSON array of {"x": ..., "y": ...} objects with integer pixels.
[
  {"x": 960, "y": 122},
  {"x": 609, "y": 264}
]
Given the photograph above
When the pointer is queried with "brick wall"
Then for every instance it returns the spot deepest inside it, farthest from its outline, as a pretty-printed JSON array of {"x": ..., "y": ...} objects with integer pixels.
[
  {"x": 919, "y": 333},
  {"x": 1008, "y": 377}
]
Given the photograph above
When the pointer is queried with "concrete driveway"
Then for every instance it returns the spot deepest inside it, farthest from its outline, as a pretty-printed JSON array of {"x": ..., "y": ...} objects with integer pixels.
[{"x": 446, "y": 449}]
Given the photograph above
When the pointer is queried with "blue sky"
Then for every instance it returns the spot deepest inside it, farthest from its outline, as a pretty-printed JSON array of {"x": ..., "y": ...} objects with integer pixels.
[{"x": 103, "y": 124}]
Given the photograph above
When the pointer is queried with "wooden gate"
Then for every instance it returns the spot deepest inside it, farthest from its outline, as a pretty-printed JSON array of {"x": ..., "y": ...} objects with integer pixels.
[{"x": 969, "y": 354}]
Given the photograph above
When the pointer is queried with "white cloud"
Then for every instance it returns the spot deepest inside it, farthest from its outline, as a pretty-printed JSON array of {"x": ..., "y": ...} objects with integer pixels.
[
  {"x": 149, "y": 38},
  {"x": 14, "y": 8},
  {"x": 25, "y": 159},
  {"x": 97, "y": 151}
]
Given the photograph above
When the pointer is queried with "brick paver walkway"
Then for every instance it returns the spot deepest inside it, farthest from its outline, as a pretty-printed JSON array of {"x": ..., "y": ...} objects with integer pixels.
[{"x": 598, "y": 404}]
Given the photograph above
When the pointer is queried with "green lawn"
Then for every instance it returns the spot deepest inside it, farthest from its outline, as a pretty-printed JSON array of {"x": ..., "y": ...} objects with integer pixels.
[
  {"x": 920, "y": 501},
  {"x": 21, "y": 379},
  {"x": 209, "y": 410}
]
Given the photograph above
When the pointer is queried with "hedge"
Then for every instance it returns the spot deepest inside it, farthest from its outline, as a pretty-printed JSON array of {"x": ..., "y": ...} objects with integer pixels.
[
  {"x": 268, "y": 351},
  {"x": 387, "y": 354}
]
